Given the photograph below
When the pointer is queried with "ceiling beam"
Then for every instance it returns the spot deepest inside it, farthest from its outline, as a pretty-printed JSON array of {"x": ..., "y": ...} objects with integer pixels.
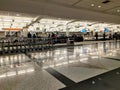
[
  {"x": 36, "y": 20},
  {"x": 111, "y": 8},
  {"x": 76, "y": 2},
  {"x": 71, "y": 21}
]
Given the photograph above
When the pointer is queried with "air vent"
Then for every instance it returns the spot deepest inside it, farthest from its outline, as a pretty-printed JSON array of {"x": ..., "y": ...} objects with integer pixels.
[{"x": 106, "y": 1}]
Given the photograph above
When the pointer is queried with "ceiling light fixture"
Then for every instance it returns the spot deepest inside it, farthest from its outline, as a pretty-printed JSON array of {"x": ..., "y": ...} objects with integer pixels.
[
  {"x": 18, "y": 15},
  {"x": 7, "y": 20},
  {"x": 99, "y": 6},
  {"x": 118, "y": 10},
  {"x": 92, "y": 5}
]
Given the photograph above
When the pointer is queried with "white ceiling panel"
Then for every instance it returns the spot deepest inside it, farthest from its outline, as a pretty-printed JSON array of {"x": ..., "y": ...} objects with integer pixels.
[
  {"x": 7, "y": 21},
  {"x": 72, "y": 25}
]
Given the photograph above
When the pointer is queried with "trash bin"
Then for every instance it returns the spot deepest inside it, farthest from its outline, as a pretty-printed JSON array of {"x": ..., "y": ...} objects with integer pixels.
[{"x": 70, "y": 41}]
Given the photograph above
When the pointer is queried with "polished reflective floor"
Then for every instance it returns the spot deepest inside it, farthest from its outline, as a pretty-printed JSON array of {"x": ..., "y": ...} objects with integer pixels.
[{"x": 73, "y": 64}]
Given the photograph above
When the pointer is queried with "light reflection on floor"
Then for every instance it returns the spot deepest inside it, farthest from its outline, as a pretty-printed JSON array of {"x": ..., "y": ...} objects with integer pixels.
[
  {"x": 63, "y": 56},
  {"x": 71, "y": 54},
  {"x": 85, "y": 56}
]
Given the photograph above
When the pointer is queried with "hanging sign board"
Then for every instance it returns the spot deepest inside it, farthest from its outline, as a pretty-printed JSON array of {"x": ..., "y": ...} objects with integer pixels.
[{"x": 12, "y": 29}]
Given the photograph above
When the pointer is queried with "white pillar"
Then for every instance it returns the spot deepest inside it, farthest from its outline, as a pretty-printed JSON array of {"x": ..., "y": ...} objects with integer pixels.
[
  {"x": 24, "y": 32},
  {"x": 67, "y": 31}
]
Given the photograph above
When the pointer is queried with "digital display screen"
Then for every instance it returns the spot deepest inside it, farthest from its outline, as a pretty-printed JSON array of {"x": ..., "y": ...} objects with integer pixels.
[
  {"x": 106, "y": 30},
  {"x": 84, "y": 31}
]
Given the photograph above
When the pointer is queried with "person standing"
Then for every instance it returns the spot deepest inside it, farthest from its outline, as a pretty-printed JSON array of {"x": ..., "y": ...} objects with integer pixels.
[
  {"x": 104, "y": 36},
  {"x": 96, "y": 35}
]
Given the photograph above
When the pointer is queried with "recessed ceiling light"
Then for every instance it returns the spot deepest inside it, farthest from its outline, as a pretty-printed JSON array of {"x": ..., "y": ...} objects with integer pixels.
[
  {"x": 18, "y": 15},
  {"x": 59, "y": 18},
  {"x": 92, "y": 5},
  {"x": 99, "y": 6},
  {"x": 118, "y": 10}
]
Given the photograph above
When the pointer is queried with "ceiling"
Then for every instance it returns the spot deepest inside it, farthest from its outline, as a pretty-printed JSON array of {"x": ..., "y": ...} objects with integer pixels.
[
  {"x": 92, "y": 10},
  {"x": 55, "y": 15},
  {"x": 103, "y": 6}
]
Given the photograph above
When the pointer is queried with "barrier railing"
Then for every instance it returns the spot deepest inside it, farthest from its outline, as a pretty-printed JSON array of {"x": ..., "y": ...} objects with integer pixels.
[{"x": 22, "y": 45}]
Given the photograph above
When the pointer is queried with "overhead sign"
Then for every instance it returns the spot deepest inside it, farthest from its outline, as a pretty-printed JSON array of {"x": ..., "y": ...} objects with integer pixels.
[
  {"x": 106, "y": 30},
  {"x": 14, "y": 29},
  {"x": 84, "y": 31}
]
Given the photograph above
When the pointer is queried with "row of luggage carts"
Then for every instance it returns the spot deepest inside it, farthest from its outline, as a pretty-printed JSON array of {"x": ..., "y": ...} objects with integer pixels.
[{"x": 23, "y": 45}]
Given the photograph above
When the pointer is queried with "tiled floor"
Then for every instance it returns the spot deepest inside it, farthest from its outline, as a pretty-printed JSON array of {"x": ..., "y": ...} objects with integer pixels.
[{"x": 31, "y": 71}]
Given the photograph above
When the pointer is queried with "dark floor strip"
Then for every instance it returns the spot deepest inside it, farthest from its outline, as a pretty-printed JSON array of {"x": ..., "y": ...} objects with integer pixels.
[
  {"x": 113, "y": 58},
  {"x": 28, "y": 55},
  {"x": 106, "y": 81},
  {"x": 66, "y": 81}
]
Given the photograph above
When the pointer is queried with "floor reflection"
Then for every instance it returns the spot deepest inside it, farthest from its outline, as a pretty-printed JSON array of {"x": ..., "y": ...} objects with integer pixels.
[
  {"x": 84, "y": 55},
  {"x": 13, "y": 65},
  {"x": 13, "y": 60},
  {"x": 16, "y": 72},
  {"x": 78, "y": 54}
]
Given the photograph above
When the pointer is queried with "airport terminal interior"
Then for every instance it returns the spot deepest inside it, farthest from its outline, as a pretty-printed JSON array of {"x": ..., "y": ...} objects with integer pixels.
[{"x": 59, "y": 44}]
